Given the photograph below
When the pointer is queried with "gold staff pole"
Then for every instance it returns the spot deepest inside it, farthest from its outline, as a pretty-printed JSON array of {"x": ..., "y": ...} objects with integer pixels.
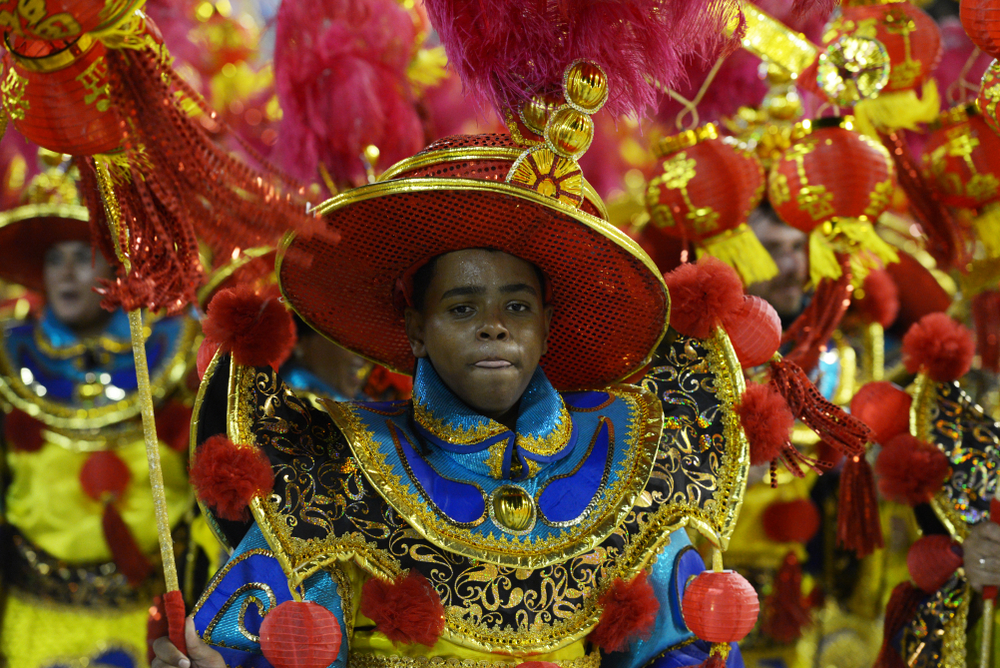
[{"x": 116, "y": 225}]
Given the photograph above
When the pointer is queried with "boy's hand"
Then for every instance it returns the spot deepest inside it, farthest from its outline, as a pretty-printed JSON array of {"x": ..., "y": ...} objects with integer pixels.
[{"x": 200, "y": 655}]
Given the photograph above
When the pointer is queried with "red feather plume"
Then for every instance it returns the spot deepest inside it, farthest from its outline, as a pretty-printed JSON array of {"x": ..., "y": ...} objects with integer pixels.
[
  {"x": 407, "y": 610},
  {"x": 255, "y": 327},
  {"x": 506, "y": 51},
  {"x": 939, "y": 347},
  {"x": 702, "y": 295},
  {"x": 629, "y": 614},
  {"x": 227, "y": 476},
  {"x": 910, "y": 471}
]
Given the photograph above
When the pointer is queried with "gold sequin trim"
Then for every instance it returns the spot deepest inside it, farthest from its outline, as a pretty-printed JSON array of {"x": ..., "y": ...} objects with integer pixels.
[{"x": 592, "y": 660}]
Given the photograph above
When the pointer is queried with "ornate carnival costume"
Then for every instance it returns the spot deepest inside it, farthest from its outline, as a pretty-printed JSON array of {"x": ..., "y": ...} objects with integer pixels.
[{"x": 78, "y": 541}]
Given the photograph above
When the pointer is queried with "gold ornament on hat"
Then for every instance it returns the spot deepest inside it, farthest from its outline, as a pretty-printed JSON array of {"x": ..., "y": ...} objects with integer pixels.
[{"x": 550, "y": 167}]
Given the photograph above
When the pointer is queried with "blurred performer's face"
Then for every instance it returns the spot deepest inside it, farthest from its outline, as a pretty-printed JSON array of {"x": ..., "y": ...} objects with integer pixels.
[
  {"x": 787, "y": 247},
  {"x": 339, "y": 367},
  {"x": 71, "y": 272}
]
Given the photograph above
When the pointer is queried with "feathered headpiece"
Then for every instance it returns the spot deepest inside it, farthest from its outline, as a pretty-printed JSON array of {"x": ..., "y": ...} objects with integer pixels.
[{"x": 638, "y": 44}]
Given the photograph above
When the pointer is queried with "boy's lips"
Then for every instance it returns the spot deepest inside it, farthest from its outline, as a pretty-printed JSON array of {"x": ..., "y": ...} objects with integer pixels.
[{"x": 493, "y": 364}]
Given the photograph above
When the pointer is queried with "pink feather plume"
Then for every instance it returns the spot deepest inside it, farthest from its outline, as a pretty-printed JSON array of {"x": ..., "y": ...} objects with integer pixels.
[
  {"x": 508, "y": 50},
  {"x": 340, "y": 74}
]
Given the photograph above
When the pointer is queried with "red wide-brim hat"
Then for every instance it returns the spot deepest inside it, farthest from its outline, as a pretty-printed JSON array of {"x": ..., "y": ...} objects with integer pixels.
[
  {"x": 610, "y": 303},
  {"x": 26, "y": 232}
]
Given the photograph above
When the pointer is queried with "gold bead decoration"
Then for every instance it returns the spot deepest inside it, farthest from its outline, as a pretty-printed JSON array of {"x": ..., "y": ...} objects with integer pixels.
[
  {"x": 569, "y": 132},
  {"x": 853, "y": 69},
  {"x": 535, "y": 112},
  {"x": 586, "y": 86},
  {"x": 513, "y": 509}
]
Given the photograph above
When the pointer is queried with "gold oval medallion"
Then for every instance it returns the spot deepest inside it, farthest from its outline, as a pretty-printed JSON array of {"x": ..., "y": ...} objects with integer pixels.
[{"x": 512, "y": 509}]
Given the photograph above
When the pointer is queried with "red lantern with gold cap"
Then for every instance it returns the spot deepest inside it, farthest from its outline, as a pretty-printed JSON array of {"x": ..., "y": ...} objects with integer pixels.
[
  {"x": 704, "y": 192},
  {"x": 833, "y": 183},
  {"x": 981, "y": 20},
  {"x": 55, "y": 20},
  {"x": 720, "y": 607},
  {"x": 961, "y": 161},
  {"x": 59, "y": 99}
]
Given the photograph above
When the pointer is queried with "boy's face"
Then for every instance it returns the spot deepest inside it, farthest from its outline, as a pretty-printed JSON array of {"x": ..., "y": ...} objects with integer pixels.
[
  {"x": 71, "y": 271},
  {"x": 483, "y": 326}
]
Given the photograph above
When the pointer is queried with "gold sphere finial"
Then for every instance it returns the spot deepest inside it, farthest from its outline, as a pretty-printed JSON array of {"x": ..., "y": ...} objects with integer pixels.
[
  {"x": 569, "y": 131},
  {"x": 536, "y": 111},
  {"x": 586, "y": 86}
]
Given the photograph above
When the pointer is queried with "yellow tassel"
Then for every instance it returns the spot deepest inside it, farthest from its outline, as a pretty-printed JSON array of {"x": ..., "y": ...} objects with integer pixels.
[
  {"x": 822, "y": 260},
  {"x": 988, "y": 229},
  {"x": 741, "y": 250},
  {"x": 862, "y": 237},
  {"x": 902, "y": 109}
]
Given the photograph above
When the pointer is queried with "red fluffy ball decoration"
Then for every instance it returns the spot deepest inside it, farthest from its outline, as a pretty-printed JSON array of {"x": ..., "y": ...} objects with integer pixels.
[
  {"x": 910, "y": 471},
  {"x": 407, "y": 611},
  {"x": 884, "y": 408},
  {"x": 23, "y": 432},
  {"x": 206, "y": 351},
  {"x": 767, "y": 422},
  {"x": 702, "y": 295},
  {"x": 881, "y": 301},
  {"x": 227, "y": 476},
  {"x": 939, "y": 347},
  {"x": 932, "y": 561},
  {"x": 256, "y": 328},
  {"x": 629, "y": 614},
  {"x": 300, "y": 634},
  {"x": 791, "y": 521}
]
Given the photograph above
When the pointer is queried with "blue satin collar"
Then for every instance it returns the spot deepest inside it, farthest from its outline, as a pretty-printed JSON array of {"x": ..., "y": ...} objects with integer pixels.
[
  {"x": 544, "y": 428},
  {"x": 59, "y": 335}
]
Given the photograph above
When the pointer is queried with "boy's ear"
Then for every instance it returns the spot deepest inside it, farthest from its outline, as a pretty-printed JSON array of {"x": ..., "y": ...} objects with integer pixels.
[
  {"x": 415, "y": 332},
  {"x": 548, "y": 323}
]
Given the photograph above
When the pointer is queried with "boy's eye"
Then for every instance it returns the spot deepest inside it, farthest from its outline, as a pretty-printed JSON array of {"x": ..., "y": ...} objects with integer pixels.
[
  {"x": 518, "y": 307},
  {"x": 461, "y": 309}
]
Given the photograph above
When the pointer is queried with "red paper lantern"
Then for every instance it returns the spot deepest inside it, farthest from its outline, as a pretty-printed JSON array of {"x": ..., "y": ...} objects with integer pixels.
[
  {"x": 932, "y": 560},
  {"x": 832, "y": 182},
  {"x": 754, "y": 331},
  {"x": 961, "y": 161},
  {"x": 910, "y": 36},
  {"x": 704, "y": 192},
  {"x": 989, "y": 95},
  {"x": 981, "y": 20},
  {"x": 720, "y": 606},
  {"x": 61, "y": 20},
  {"x": 300, "y": 634},
  {"x": 60, "y": 100}
]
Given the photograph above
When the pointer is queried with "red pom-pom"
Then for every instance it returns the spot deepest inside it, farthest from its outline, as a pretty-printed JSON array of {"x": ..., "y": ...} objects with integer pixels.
[
  {"x": 629, "y": 614},
  {"x": 767, "y": 422},
  {"x": 407, "y": 611},
  {"x": 932, "y": 560},
  {"x": 702, "y": 295},
  {"x": 173, "y": 425},
  {"x": 23, "y": 432},
  {"x": 300, "y": 634},
  {"x": 103, "y": 473},
  {"x": 256, "y": 328},
  {"x": 884, "y": 408},
  {"x": 910, "y": 471},
  {"x": 227, "y": 476},
  {"x": 881, "y": 301},
  {"x": 791, "y": 521},
  {"x": 939, "y": 347},
  {"x": 206, "y": 351}
]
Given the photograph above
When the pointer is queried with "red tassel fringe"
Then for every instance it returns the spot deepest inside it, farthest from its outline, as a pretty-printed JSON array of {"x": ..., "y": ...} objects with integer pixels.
[
  {"x": 127, "y": 556},
  {"x": 841, "y": 431},
  {"x": 629, "y": 614},
  {"x": 178, "y": 181},
  {"x": 717, "y": 657},
  {"x": 786, "y": 611},
  {"x": 859, "y": 527},
  {"x": 903, "y": 604},
  {"x": 407, "y": 611},
  {"x": 227, "y": 477},
  {"x": 811, "y": 331}
]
